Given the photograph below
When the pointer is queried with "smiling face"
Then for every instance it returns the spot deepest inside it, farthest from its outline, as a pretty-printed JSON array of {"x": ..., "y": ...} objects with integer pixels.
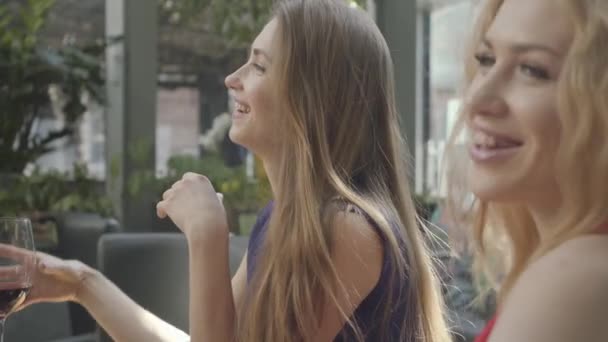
[
  {"x": 255, "y": 91},
  {"x": 511, "y": 104}
]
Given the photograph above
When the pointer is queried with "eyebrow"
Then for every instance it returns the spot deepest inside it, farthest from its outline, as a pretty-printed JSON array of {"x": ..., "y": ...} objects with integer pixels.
[
  {"x": 525, "y": 47},
  {"x": 260, "y": 52}
]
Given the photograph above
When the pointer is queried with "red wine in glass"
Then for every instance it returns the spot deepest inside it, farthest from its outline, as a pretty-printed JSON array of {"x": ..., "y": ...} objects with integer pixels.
[
  {"x": 12, "y": 298},
  {"x": 17, "y": 262}
]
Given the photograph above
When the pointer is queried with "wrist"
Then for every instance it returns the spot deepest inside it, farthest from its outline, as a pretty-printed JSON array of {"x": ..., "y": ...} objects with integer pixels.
[
  {"x": 209, "y": 232},
  {"x": 210, "y": 240},
  {"x": 85, "y": 286}
]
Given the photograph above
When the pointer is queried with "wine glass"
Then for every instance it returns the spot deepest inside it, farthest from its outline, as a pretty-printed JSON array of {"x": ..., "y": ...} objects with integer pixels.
[{"x": 17, "y": 262}]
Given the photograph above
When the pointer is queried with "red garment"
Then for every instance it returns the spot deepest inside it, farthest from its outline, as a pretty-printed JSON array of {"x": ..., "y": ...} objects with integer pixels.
[
  {"x": 485, "y": 333},
  {"x": 603, "y": 229},
  {"x": 484, "y": 336}
]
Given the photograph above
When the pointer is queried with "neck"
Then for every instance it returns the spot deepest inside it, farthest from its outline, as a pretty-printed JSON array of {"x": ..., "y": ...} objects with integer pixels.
[
  {"x": 271, "y": 167},
  {"x": 544, "y": 211}
]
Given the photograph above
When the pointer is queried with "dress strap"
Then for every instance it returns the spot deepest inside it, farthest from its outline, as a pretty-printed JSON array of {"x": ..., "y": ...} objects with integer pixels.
[{"x": 484, "y": 336}]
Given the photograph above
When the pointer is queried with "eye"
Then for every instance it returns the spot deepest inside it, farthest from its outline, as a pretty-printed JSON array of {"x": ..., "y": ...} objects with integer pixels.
[
  {"x": 534, "y": 72},
  {"x": 485, "y": 59},
  {"x": 258, "y": 68}
]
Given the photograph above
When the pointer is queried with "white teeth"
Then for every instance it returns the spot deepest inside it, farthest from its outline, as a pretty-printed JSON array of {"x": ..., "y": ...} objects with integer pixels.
[
  {"x": 482, "y": 139},
  {"x": 243, "y": 108},
  {"x": 485, "y": 140}
]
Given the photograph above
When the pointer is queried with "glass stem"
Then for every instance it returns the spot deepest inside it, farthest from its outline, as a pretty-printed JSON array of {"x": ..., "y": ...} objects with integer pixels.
[{"x": 2, "y": 320}]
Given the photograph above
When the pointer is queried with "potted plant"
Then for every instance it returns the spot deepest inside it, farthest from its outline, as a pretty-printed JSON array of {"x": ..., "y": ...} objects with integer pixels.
[
  {"x": 46, "y": 197},
  {"x": 28, "y": 72}
]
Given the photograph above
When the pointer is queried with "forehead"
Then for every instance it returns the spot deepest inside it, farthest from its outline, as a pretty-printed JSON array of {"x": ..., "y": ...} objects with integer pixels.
[
  {"x": 532, "y": 21},
  {"x": 266, "y": 40}
]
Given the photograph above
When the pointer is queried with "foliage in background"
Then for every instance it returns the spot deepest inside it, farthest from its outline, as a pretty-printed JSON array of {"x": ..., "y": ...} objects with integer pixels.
[
  {"x": 236, "y": 21},
  {"x": 240, "y": 193},
  {"x": 27, "y": 71},
  {"x": 53, "y": 192}
]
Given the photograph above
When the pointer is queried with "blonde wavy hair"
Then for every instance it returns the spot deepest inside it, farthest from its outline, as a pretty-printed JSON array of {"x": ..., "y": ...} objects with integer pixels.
[
  {"x": 505, "y": 236},
  {"x": 341, "y": 139}
]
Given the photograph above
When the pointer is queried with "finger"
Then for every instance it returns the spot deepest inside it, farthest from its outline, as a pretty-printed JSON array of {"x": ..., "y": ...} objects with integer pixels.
[
  {"x": 12, "y": 252},
  {"x": 10, "y": 272},
  {"x": 161, "y": 210},
  {"x": 177, "y": 184},
  {"x": 16, "y": 254},
  {"x": 168, "y": 194},
  {"x": 194, "y": 176},
  {"x": 190, "y": 175}
]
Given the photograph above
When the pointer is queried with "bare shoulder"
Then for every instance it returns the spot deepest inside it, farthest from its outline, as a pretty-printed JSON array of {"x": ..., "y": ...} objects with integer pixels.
[
  {"x": 355, "y": 238},
  {"x": 584, "y": 256},
  {"x": 562, "y": 296},
  {"x": 357, "y": 249},
  {"x": 351, "y": 222},
  {"x": 356, "y": 253}
]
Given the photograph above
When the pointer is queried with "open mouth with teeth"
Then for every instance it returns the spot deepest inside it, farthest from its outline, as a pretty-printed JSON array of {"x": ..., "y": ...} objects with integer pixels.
[
  {"x": 241, "y": 108},
  {"x": 487, "y": 147},
  {"x": 482, "y": 140}
]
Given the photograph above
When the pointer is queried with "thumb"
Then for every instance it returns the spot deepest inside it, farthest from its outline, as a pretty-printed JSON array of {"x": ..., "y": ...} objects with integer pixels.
[{"x": 161, "y": 209}]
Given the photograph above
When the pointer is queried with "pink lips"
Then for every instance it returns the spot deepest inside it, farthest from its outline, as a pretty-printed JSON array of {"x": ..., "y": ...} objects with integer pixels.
[
  {"x": 488, "y": 146},
  {"x": 482, "y": 154}
]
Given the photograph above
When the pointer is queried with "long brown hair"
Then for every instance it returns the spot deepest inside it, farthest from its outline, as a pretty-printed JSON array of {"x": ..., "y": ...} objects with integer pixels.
[
  {"x": 341, "y": 138},
  {"x": 505, "y": 236}
]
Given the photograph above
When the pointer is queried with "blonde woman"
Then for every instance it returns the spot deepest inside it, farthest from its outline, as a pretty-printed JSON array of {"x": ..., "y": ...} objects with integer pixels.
[
  {"x": 537, "y": 116},
  {"x": 338, "y": 255}
]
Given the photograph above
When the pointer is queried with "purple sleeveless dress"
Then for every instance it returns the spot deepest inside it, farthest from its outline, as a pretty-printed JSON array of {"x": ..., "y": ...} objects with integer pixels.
[{"x": 369, "y": 311}]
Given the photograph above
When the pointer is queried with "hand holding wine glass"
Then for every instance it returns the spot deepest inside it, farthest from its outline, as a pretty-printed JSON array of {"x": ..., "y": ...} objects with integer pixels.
[
  {"x": 53, "y": 279},
  {"x": 17, "y": 262}
]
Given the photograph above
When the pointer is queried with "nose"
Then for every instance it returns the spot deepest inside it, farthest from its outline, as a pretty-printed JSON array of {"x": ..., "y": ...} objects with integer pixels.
[
  {"x": 486, "y": 96},
  {"x": 233, "y": 81}
]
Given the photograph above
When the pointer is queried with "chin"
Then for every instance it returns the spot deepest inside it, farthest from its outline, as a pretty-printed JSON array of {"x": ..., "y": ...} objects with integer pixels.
[
  {"x": 239, "y": 137},
  {"x": 236, "y": 136},
  {"x": 493, "y": 189},
  {"x": 487, "y": 195}
]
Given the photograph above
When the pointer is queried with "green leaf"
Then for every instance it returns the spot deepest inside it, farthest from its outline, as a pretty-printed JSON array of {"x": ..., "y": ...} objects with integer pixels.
[{"x": 27, "y": 69}]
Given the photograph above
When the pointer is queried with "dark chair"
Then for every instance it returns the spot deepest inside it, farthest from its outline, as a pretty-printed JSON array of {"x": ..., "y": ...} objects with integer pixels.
[
  {"x": 43, "y": 323},
  {"x": 78, "y": 235},
  {"x": 152, "y": 268}
]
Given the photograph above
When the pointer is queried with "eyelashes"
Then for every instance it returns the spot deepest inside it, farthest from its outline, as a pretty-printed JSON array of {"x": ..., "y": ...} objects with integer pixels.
[{"x": 486, "y": 61}]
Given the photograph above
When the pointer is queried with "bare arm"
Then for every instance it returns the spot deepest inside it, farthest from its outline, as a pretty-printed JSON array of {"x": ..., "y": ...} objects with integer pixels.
[
  {"x": 562, "y": 297},
  {"x": 239, "y": 283},
  {"x": 357, "y": 257},
  {"x": 195, "y": 207},
  {"x": 120, "y": 316},
  {"x": 212, "y": 312},
  {"x": 57, "y": 280},
  {"x": 125, "y": 320}
]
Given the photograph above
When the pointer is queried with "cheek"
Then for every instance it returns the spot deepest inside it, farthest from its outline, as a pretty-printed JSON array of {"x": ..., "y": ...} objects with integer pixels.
[
  {"x": 267, "y": 117},
  {"x": 547, "y": 131},
  {"x": 540, "y": 124},
  {"x": 264, "y": 102},
  {"x": 272, "y": 121},
  {"x": 538, "y": 118}
]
